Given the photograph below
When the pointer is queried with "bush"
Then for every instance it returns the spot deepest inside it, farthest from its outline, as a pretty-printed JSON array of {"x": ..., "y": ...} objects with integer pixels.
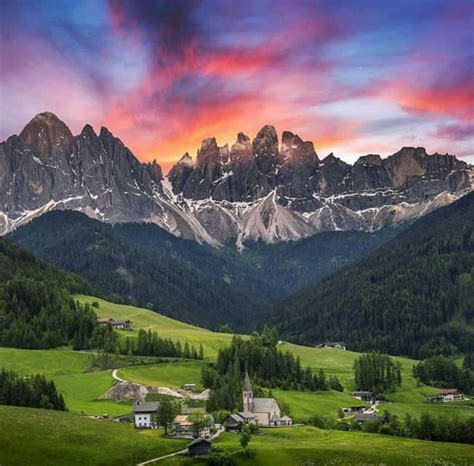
[{"x": 220, "y": 458}]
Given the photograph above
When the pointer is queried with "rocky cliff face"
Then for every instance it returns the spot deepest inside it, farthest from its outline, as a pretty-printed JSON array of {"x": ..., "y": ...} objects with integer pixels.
[{"x": 257, "y": 190}]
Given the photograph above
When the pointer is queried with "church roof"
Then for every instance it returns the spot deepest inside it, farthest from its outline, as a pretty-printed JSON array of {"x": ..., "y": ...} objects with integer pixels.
[
  {"x": 263, "y": 405},
  {"x": 247, "y": 384}
]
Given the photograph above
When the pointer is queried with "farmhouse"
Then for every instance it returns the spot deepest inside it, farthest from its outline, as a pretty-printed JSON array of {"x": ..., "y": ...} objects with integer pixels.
[
  {"x": 183, "y": 428},
  {"x": 364, "y": 396},
  {"x": 118, "y": 324},
  {"x": 451, "y": 394},
  {"x": 143, "y": 412},
  {"x": 332, "y": 344},
  {"x": 122, "y": 324},
  {"x": 266, "y": 410},
  {"x": 199, "y": 447},
  {"x": 361, "y": 418}
]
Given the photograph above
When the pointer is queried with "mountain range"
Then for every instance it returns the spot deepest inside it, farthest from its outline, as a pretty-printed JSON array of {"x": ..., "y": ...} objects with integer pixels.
[{"x": 262, "y": 189}]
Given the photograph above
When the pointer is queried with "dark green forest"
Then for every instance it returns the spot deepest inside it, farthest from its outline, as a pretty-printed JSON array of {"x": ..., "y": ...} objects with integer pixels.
[
  {"x": 34, "y": 391},
  {"x": 144, "y": 265},
  {"x": 413, "y": 296},
  {"x": 440, "y": 371},
  {"x": 36, "y": 306}
]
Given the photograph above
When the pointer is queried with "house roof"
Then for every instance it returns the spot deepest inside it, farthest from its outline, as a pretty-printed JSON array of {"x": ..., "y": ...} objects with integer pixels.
[
  {"x": 104, "y": 320},
  {"x": 199, "y": 440},
  {"x": 145, "y": 406},
  {"x": 263, "y": 405},
  {"x": 451, "y": 391},
  {"x": 122, "y": 322},
  {"x": 236, "y": 418},
  {"x": 362, "y": 393},
  {"x": 247, "y": 383},
  {"x": 275, "y": 417},
  {"x": 286, "y": 418},
  {"x": 182, "y": 420},
  {"x": 246, "y": 415},
  {"x": 362, "y": 417}
]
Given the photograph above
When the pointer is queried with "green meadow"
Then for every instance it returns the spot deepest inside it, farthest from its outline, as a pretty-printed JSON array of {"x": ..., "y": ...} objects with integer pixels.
[
  {"x": 303, "y": 446},
  {"x": 164, "y": 326},
  {"x": 173, "y": 374},
  {"x": 31, "y": 437}
]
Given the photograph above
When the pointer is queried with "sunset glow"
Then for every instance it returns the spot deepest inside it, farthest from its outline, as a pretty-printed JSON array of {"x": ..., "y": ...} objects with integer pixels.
[{"x": 163, "y": 75}]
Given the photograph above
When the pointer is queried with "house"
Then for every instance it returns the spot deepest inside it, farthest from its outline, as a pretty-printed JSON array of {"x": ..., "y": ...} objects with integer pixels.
[
  {"x": 199, "y": 447},
  {"x": 183, "y": 428},
  {"x": 452, "y": 394},
  {"x": 122, "y": 324},
  {"x": 286, "y": 421},
  {"x": 144, "y": 412},
  {"x": 118, "y": 324},
  {"x": 361, "y": 418},
  {"x": 105, "y": 321},
  {"x": 265, "y": 410},
  {"x": 364, "y": 396},
  {"x": 332, "y": 344}
]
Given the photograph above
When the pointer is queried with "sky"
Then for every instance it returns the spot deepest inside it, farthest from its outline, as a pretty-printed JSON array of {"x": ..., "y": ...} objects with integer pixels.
[{"x": 353, "y": 76}]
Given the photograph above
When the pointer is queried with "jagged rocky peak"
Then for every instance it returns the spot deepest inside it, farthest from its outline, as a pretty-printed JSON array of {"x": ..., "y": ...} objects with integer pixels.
[
  {"x": 241, "y": 149},
  {"x": 180, "y": 172},
  {"x": 294, "y": 148},
  {"x": 370, "y": 159},
  {"x": 47, "y": 134}
]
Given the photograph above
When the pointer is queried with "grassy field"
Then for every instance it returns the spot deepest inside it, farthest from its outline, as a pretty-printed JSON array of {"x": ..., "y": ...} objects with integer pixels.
[
  {"x": 306, "y": 404},
  {"x": 168, "y": 375},
  {"x": 164, "y": 326},
  {"x": 82, "y": 390},
  {"x": 304, "y": 446},
  {"x": 30, "y": 437}
]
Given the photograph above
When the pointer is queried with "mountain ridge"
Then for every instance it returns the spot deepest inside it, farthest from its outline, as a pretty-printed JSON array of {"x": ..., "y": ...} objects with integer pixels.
[{"x": 260, "y": 189}]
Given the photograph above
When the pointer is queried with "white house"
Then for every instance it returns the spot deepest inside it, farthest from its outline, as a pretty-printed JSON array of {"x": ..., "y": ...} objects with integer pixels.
[
  {"x": 143, "y": 412},
  {"x": 451, "y": 394}
]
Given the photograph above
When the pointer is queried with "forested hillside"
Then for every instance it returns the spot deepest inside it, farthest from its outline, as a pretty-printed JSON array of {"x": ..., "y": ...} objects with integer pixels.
[
  {"x": 413, "y": 296},
  {"x": 144, "y": 265},
  {"x": 36, "y": 306}
]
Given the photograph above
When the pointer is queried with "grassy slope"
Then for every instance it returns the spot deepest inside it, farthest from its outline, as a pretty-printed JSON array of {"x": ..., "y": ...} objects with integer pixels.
[
  {"x": 168, "y": 375},
  {"x": 310, "y": 446},
  {"x": 38, "y": 437},
  {"x": 165, "y": 326},
  {"x": 409, "y": 398},
  {"x": 81, "y": 390},
  {"x": 66, "y": 368}
]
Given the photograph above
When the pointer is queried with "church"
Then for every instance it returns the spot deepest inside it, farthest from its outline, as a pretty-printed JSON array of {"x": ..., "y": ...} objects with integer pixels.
[{"x": 262, "y": 411}]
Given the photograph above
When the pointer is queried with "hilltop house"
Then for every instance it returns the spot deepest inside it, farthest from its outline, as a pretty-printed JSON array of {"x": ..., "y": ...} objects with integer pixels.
[
  {"x": 118, "y": 324},
  {"x": 332, "y": 344},
  {"x": 143, "y": 412}
]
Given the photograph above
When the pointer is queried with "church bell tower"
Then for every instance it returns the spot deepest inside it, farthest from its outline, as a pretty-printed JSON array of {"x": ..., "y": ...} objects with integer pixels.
[{"x": 247, "y": 394}]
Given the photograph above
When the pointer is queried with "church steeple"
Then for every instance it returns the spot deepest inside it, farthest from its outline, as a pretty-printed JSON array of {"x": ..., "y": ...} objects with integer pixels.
[{"x": 247, "y": 394}]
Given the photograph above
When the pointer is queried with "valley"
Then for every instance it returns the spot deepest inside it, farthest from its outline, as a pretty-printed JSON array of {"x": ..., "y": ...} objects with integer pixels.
[{"x": 84, "y": 388}]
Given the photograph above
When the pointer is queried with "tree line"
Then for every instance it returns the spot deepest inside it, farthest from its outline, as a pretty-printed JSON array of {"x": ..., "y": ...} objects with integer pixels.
[
  {"x": 443, "y": 372},
  {"x": 266, "y": 365},
  {"x": 33, "y": 391},
  {"x": 426, "y": 427},
  {"x": 376, "y": 372}
]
